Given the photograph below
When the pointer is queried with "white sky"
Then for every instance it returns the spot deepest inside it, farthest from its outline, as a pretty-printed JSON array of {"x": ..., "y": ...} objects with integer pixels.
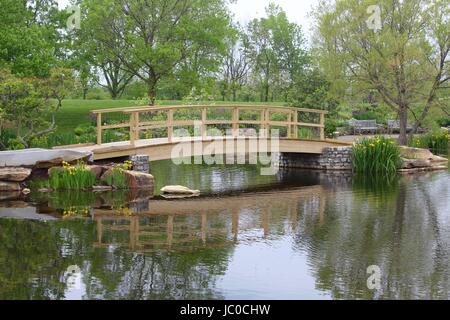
[{"x": 245, "y": 10}]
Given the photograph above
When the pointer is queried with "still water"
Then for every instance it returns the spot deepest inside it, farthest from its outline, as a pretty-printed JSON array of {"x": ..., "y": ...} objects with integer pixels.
[{"x": 296, "y": 235}]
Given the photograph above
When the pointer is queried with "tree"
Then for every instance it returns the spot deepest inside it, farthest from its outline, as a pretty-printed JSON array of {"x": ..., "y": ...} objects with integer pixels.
[
  {"x": 92, "y": 57},
  {"x": 277, "y": 49},
  {"x": 30, "y": 41},
  {"x": 27, "y": 103},
  {"x": 236, "y": 66},
  {"x": 156, "y": 37},
  {"x": 406, "y": 61}
]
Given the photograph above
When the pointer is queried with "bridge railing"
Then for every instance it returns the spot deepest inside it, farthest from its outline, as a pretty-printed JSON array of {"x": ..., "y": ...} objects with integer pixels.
[{"x": 139, "y": 119}]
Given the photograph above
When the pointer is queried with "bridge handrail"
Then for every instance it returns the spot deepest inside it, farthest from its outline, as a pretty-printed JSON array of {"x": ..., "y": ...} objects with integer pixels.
[{"x": 292, "y": 122}]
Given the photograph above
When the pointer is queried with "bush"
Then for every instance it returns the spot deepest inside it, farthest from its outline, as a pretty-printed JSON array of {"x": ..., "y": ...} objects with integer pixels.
[
  {"x": 437, "y": 141},
  {"x": 376, "y": 155},
  {"x": 70, "y": 177}
]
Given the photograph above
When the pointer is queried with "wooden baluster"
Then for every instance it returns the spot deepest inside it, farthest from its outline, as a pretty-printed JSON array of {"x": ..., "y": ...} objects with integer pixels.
[
  {"x": 296, "y": 124},
  {"x": 235, "y": 122},
  {"x": 133, "y": 127},
  {"x": 170, "y": 125},
  {"x": 99, "y": 128},
  {"x": 322, "y": 128},
  {"x": 289, "y": 131},
  {"x": 204, "y": 120}
]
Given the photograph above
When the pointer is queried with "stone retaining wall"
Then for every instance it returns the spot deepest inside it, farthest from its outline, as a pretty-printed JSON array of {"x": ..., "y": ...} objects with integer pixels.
[{"x": 337, "y": 158}]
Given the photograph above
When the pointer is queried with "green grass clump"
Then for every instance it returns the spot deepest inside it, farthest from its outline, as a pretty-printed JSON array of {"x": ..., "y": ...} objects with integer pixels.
[
  {"x": 116, "y": 177},
  {"x": 376, "y": 155},
  {"x": 70, "y": 177}
]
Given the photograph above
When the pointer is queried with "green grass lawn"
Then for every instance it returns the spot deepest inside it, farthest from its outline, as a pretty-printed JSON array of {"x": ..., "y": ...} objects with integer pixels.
[{"x": 76, "y": 112}]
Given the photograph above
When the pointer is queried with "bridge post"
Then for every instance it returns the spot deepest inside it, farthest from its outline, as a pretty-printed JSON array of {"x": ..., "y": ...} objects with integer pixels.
[
  {"x": 322, "y": 128},
  {"x": 134, "y": 123},
  {"x": 295, "y": 124},
  {"x": 204, "y": 120},
  {"x": 235, "y": 122},
  {"x": 170, "y": 125},
  {"x": 99, "y": 128}
]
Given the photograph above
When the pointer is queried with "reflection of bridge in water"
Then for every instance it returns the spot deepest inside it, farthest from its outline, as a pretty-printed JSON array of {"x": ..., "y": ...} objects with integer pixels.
[{"x": 187, "y": 225}]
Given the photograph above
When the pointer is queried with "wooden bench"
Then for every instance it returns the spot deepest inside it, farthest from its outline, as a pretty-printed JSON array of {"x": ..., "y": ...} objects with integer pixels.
[
  {"x": 394, "y": 125},
  {"x": 360, "y": 126}
]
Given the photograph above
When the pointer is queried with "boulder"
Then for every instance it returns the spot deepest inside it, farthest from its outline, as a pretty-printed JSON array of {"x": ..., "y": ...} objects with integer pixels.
[
  {"x": 416, "y": 163},
  {"x": 41, "y": 158},
  {"x": 179, "y": 190},
  {"x": 14, "y": 174},
  {"x": 97, "y": 170},
  {"x": 416, "y": 153},
  {"x": 134, "y": 179},
  {"x": 9, "y": 186}
]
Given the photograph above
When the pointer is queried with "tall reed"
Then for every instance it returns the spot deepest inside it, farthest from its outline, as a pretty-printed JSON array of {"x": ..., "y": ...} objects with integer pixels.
[
  {"x": 70, "y": 177},
  {"x": 376, "y": 155}
]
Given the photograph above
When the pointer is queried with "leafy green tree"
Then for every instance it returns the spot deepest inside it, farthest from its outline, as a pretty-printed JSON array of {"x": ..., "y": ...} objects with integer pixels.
[
  {"x": 154, "y": 39},
  {"x": 277, "y": 50},
  {"x": 91, "y": 57},
  {"x": 30, "y": 40},
  {"x": 405, "y": 59},
  {"x": 28, "y": 103}
]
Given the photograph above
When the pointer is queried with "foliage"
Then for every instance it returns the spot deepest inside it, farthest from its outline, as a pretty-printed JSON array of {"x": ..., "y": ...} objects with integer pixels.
[
  {"x": 24, "y": 108},
  {"x": 377, "y": 155},
  {"x": 31, "y": 41},
  {"x": 404, "y": 64},
  {"x": 70, "y": 177},
  {"x": 438, "y": 141},
  {"x": 184, "y": 34},
  {"x": 29, "y": 108},
  {"x": 116, "y": 178}
]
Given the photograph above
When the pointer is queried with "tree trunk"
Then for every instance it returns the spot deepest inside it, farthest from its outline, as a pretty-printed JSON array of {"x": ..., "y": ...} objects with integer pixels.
[
  {"x": 403, "y": 117},
  {"x": 152, "y": 92}
]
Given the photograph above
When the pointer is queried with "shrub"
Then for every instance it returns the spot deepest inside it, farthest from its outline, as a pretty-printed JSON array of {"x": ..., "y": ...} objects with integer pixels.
[
  {"x": 437, "y": 141},
  {"x": 70, "y": 177},
  {"x": 376, "y": 155}
]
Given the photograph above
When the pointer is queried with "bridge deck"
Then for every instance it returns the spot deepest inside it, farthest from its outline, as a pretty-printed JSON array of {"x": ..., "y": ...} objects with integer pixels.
[{"x": 162, "y": 149}]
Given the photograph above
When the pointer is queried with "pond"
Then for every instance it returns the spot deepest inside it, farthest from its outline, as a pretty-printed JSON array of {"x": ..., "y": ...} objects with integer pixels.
[{"x": 296, "y": 235}]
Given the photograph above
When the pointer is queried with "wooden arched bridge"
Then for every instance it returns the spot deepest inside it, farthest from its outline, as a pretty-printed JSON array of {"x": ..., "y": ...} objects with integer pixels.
[{"x": 155, "y": 131}]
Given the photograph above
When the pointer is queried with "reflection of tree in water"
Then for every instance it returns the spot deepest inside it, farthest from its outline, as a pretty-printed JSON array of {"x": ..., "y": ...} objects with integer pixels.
[
  {"x": 34, "y": 258},
  {"x": 399, "y": 229}
]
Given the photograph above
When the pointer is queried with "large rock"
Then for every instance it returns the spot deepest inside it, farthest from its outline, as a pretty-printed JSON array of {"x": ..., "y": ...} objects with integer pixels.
[
  {"x": 179, "y": 190},
  {"x": 416, "y": 153},
  {"x": 97, "y": 170},
  {"x": 134, "y": 180},
  {"x": 9, "y": 186},
  {"x": 41, "y": 158},
  {"x": 14, "y": 174},
  {"x": 416, "y": 163}
]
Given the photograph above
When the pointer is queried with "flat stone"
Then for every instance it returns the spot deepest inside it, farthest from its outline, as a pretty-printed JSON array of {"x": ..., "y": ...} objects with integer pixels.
[
  {"x": 14, "y": 174},
  {"x": 41, "y": 158},
  {"x": 9, "y": 186},
  {"x": 416, "y": 163},
  {"x": 179, "y": 190}
]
